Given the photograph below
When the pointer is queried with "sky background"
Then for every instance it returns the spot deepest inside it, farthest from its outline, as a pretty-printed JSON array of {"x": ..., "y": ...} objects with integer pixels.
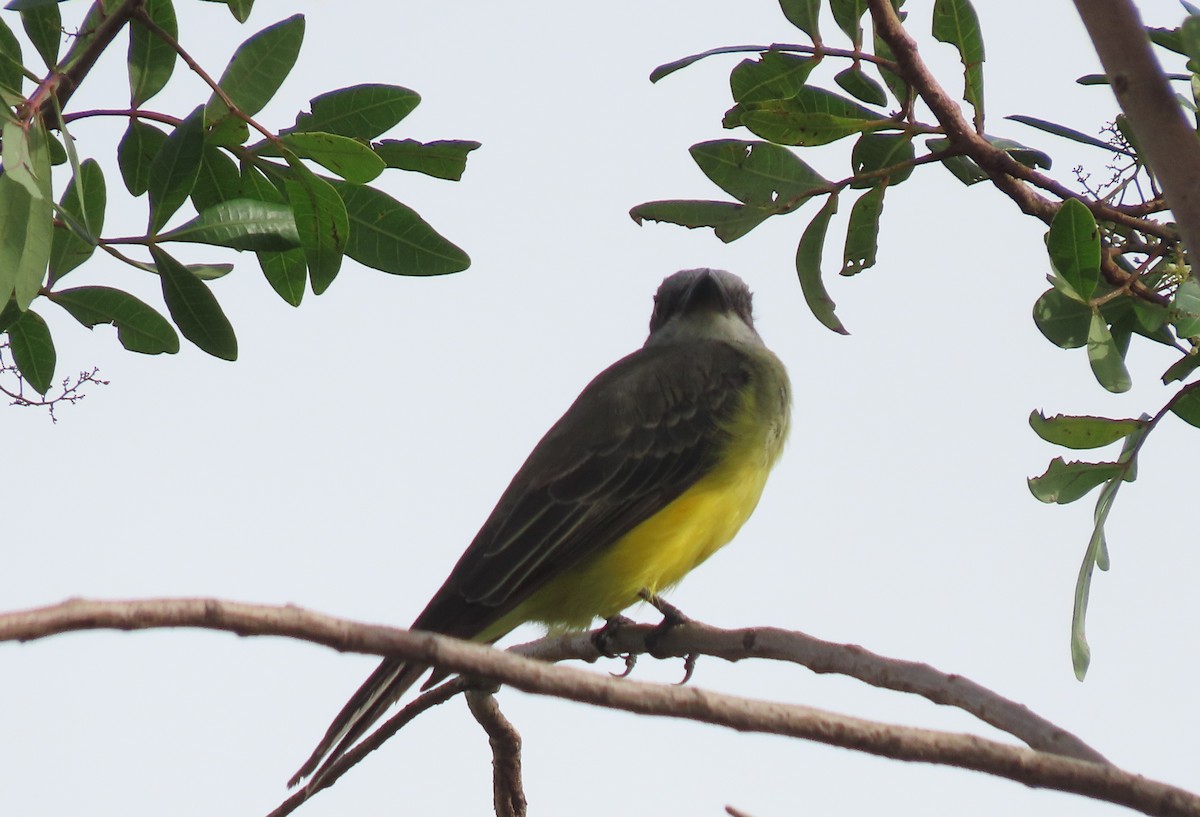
[{"x": 350, "y": 454}]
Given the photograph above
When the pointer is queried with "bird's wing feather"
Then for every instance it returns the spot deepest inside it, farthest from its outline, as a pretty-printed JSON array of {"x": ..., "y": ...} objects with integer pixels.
[{"x": 642, "y": 433}]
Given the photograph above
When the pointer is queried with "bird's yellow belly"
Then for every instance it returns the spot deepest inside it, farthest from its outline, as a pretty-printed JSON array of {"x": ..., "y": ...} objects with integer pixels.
[{"x": 655, "y": 555}]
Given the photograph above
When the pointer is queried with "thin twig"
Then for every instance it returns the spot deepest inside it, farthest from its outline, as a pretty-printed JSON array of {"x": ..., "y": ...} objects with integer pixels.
[{"x": 144, "y": 18}]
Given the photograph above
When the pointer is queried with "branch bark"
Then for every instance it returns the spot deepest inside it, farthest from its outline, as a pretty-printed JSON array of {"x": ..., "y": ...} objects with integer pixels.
[
  {"x": 1167, "y": 140},
  {"x": 1031, "y": 767}
]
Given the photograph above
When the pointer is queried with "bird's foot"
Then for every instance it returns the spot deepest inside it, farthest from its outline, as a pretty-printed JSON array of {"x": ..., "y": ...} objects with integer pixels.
[
  {"x": 672, "y": 617},
  {"x": 602, "y": 637}
]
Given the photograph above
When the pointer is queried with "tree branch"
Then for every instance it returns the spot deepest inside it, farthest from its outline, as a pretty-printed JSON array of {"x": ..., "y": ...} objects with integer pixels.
[
  {"x": 1033, "y": 768},
  {"x": 826, "y": 657},
  {"x": 507, "y": 792},
  {"x": 1163, "y": 132},
  {"x": 1005, "y": 172}
]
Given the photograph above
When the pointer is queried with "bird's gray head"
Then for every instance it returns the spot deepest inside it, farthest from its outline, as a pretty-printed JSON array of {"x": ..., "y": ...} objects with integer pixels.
[{"x": 702, "y": 304}]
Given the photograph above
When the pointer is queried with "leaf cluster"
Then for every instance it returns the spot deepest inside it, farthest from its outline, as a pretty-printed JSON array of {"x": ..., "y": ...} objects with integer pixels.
[
  {"x": 1115, "y": 272},
  {"x": 298, "y": 197}
]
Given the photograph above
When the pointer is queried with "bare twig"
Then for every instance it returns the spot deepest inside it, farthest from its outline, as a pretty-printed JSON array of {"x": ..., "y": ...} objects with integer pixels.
[
  {"x": 827, "y": 657},
  {"x": 1033, "y": 768},
  {"x": 508, "y": 794},
  {"x": 1163, "y": 133}
]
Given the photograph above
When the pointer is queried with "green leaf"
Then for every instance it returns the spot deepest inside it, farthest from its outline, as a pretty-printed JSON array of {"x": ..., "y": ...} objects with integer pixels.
[
  {"x": 348, "y": 158},
  {"x": 286, "y": 272},
  {"x": 389, "y": 236},
  {"x": 151, "y": 60},
  {"x": 1181, "y": 368},
  {"x": 1186, "y": 405},
  {"x": 1189, "y": 37},
  {"x": 668, "y": 68},
  {"x": 862, "y": 234},
  {"x": 1107, "y": 362},
  {"x": 804, "y": 15},
  {"x": 33, "y": 350},
  {"x": 848, "y": 16},
  {"x": 874, "y": 152},
  {"x": 813, "y": 117},
  {"x": 1168, "y": 38},
  {"x": 12, "y": 75},
  {"x": 242, "y": 224},
  {"x": 1185, "y": 309},
  {"x": 218, "y": 179},
  {"x": 758, "y": 173},
  {"x": 1096, "y": 554},
  {"x": 445, "y": 159},
  {"x": 27, "y": 156},
  {"x": 729, "y": 221},
  {"x": 774, "y": 75},
  {"x": 1081, "y": 432},
  {"x": 174, "y": 170},
  {"x": 1074, "y": 246},
  {"x": 808, "y": 267},
  {"x": 44, "y": 26},
  {"x": 860, "y": 86},
  {"x": 1030, "y": 157},
  {"x": 1065, "y": 322},
  {"x": 135, "y": 155},
  {"x": 360, "y": 111},
  {"x": 895, "y": 83},
  {"x": 229, "y": 132},
  {"x": 955, "y": 22},
  {"x": 1065, "y": 482},
  {"x": 26, "y": 228},
  {"x": 256, "y": 186},
  {"x": 1067, "y": 133},
  {"x": 240, "y": 9},
  {"x": 194, "y": 309},
  {"x": 258, "y": 68},
  {"x": 85, "y": 198},
  {"x": 139, "y": 327},
  {"x": 322, "y": 223},
  {"x": 9, "y": 315}
]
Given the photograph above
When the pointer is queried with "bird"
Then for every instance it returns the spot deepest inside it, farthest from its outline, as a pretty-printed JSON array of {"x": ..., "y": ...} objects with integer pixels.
[{"x": 655, "y": 466}]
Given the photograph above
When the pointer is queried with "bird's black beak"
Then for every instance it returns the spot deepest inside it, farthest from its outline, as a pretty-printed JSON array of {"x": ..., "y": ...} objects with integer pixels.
[{"x": 706, "y": 292}]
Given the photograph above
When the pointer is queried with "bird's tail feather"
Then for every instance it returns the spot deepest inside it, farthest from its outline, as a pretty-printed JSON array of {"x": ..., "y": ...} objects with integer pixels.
[{"x": 382, "y": 689}]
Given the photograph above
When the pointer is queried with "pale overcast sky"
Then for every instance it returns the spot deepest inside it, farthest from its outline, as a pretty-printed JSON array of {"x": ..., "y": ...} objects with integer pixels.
[{"x": 346, "y": 459}]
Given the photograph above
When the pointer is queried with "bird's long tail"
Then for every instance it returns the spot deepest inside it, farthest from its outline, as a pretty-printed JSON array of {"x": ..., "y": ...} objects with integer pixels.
[{"x": 382, "y": 689}]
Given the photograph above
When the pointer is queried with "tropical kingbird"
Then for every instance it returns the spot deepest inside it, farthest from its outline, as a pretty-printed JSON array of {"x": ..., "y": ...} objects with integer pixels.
[{"x": 655, "y": 466}]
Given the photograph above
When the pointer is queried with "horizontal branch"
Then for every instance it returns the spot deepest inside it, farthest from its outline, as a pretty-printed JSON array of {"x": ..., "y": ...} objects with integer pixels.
[
  {"x": 1028, "y": 766},
  {"x": 827, "y": 657}
]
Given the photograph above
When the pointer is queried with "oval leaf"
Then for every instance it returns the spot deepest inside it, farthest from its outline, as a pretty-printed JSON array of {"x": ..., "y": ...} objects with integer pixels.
[
  {"x": 348, "y": 158},
  {"x": 808, "y": 267},
  {"x": 322, "y": 223},
  {"x": 151, "y": 60},
  {"x": 1080, "y": 432},
  {"x": 194, "y": 309},
  {"x": 258, "y": 68},
  {"x": 360, "y": 111},
  {"x": 174, "y": 170},
  {"x": 139, "y": 327},
  {"x": 389, "y": 236},
  {"x": 243, "y": 224},
  {"x": 33, "y": 350},
  {"x": 1074, "y": 246},
  {"x": 758, "y": 173},
  {"x": 1065, "y": 482},
  {"x": 1107, "y": 361}
]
